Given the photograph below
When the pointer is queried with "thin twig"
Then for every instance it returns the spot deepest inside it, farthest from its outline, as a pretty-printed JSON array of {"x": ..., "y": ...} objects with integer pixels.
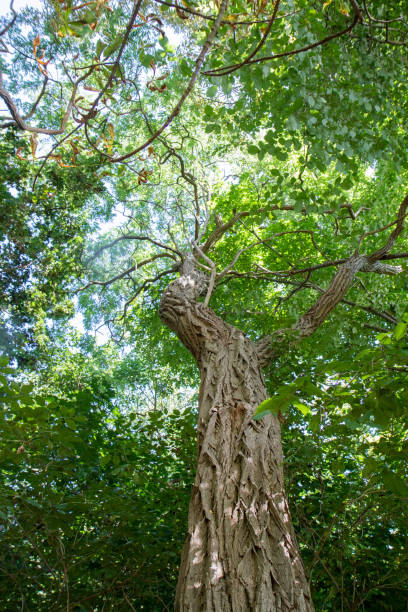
[{"x": 199, "y": 62}]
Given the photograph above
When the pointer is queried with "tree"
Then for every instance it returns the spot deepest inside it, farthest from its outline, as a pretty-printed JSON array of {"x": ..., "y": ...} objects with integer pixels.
[
  {"x": 325, "y": 188},
  {"x": 241, "y": 552},
  {"x": 42, "y": 237}
]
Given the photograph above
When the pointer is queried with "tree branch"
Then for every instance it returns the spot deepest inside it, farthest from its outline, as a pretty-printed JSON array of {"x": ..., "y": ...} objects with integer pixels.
[
  {"x": 10, "y": 23},
  {"x": 136, "y": 7},
  {"x": 342, "y": 281},
  {"x": 314, "y": 317},
  {"x": 386, "y": 248},
  {"x": 199, "y": 62},
  {"x": 247, "y": 60},
  {"x": 19, "y": 120},
  {"x": 126, "y": 272},
  {"x": 132, "y": 237},
  {"x": 186, "y": 9},
  {"x": 228, "y": 69}
]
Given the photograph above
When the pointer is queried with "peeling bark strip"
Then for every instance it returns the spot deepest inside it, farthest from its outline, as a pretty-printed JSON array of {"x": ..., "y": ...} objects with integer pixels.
[{"x": 241, "y": 553}]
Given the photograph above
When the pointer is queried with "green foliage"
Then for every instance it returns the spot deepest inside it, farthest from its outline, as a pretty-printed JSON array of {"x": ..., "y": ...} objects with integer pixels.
[
  {"x": 345, "y": 442},
  {"x": 93, "y": 500},
  {"x": 351, "y": 521},
  {"x": 42, "y": 236}
]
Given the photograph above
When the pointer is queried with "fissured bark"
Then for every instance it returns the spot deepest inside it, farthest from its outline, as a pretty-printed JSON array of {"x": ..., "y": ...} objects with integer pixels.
[{"x": 241, "y": 553}]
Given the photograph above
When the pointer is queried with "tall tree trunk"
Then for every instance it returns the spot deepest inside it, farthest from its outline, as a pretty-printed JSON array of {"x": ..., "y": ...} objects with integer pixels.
[{"x": 241, "y": 553}]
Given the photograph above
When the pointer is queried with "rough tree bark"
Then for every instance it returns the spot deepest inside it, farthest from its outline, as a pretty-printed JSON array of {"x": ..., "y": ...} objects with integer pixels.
[{"x": 241, "y": 552}]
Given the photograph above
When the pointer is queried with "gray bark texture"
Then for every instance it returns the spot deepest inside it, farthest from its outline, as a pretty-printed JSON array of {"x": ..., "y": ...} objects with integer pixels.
[{"x": 241, "y": 553}]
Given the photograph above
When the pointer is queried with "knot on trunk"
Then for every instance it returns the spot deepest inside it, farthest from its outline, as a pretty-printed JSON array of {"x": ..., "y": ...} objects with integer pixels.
[
  {"x": 183, "y": 293},
  {"x": 181, "y": 312}
]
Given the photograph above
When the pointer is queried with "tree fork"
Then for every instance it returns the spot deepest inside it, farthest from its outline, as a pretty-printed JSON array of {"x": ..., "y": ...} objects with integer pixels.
[{"x": 241, "y": 552}]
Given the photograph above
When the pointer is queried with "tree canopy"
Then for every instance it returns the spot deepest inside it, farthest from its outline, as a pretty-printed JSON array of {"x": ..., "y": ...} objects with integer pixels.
[{"x": 267, "y": 140}]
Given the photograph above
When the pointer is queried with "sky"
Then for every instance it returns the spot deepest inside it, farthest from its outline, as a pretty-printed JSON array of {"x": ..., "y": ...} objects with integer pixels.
[{"x": 18, "y": 5}]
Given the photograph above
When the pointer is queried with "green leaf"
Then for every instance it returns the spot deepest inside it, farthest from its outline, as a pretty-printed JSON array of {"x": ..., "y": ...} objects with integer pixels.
[
  {"x": 164, "y": 43},
  {"x": 384, "y": 338},
  {"x": 347, "y": 183},
  {"x": 292, "y": 123},
  {"x": 78, "y": 29},
  {"x": 395, "y": 483},
  {"x": 100, "y": 45},
  {"x": 71, "y": 423},
  {"x": 211, "y": 91},
  {"x": 226, "y": 85},
  {"x": 111, "y": 48},
  {"x": 265, "y": 407},
  {"x": 270, "y": 137},
  {"x": 279, "y": 402},
  {"x": 90, "y": 17},
  {"x": 281, "y": 155},
  {"x": 252, "y": 149},
  {"x": 146, "y": 59},
  {"x": 400, "y": 330},
  {"x": 339, "y": 366},
  {"x": 302, "y": 408},
  {"x": 208, "y": 111},
  {"x": 184, "y": 67}
]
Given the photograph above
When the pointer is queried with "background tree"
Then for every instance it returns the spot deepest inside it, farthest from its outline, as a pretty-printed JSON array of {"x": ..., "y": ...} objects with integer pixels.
[
  {"x": 302, "y": 89},
  {"x": 42, "y": 239}
]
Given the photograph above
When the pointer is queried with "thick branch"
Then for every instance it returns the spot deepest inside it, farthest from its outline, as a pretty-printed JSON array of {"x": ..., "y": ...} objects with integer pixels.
[
  {"x": 221, "y": 228},
  {"x": 314, "y": 317},
  {"x": 342, "y": 281},
  {"x": 381, "y": 268}
]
